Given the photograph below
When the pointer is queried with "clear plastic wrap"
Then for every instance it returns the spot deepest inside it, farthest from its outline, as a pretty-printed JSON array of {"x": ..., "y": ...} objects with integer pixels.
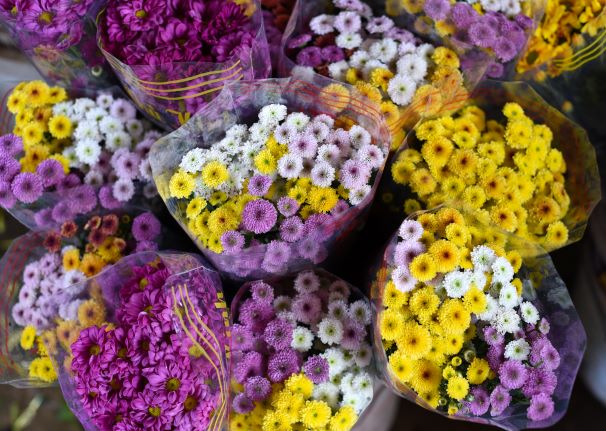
[
  {"x": 59, "y": 38},
  {"x": 171, "y": 93},
  {"x": 174, "y": 349},
  {"x": 301, "y": 353},
  {"x": 495, "y": 368},
  {"x": 240, "y": 103}
]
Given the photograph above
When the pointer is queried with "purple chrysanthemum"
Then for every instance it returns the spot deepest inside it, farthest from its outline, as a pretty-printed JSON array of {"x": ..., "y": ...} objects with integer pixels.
[
  {"x": 243, "y": 404},
  {"x": 43, "y": 218},
  {"x": 288, "y": 206},
  {"x": 299, "y": 41},
  {"x": 241, "y": 338},
  {"x": 63, "y": 211},
  {"x": 481, "y": 401},
  {"x": 541, "y": 407},
  {"x": 353, "y": 334},
  {"x": 499, "y": 400},
  {"x": 82, "y": 197},
  {"x": 512, "y": 374},
  {"x": 495, "y": 70},
  {"x": 481, "y": 34},
  {"x": 310, "y": 56},
  {"x": 278, "y": 334},
  {"x": 405, "y": 252},
  {"x": 495, "y": 356},
  {"x": 354, "y": 174},
  {"x": 11, "y": 144},
  {"x": 332, "y": 54},
  {"x": 257, "y": 388},
  {"x": 262, "y": 292},
  {"x": 524, "y": 21},
  {"x": 291, "y": 229},
  {"x": 463, "y": 15},
  {"x": 259, "y": 185},
  {"x": 550, "y": 357},
  {"x": 276, "y": 256},
  {"x": 146, "y": 227},
  {"x": 107, "y": 199},
  {"x": 492, "y": 336},
  {"x": 9, "y": 167},
  {"x": 379, "y": 24},
  {"x": 51, "y": 172},
  {"x": 7, "y": 199},
  {"x": 251, "y": 365},
  {"x": 27, "y": 187},
  {"x": 259, "y": 216},
  {"x": 505, "y": 49},
  {"x": 282, "y": 365},
  {"x": 232, "y": 241},
  {"x": 316, "y": 369},
  {"x": 256, "y": 315},
  {"x": 436, "y": 9},
  {"x": 307, "y": 308},
  {"x": 540, "y": 381}
]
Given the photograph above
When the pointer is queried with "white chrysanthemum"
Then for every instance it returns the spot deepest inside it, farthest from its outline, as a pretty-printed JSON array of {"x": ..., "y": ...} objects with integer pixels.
[
  {"x": 338, "y": 309},
  {"x": 116, "y": 140},
  {"x": 517, "y": 350},
  {"x": 384, "y": 50},
  {"x": 502, "y": 270},
  {"x": 359, "y": 136},
  {"x": 193, "y": 161},
  {"x": 360, "y": 312},
  {"x": 238, "y": 132},
  {"x": 402, "y": 279},
  {"x": 73, "y": 277},
  {"x": 336, "y": 362},
  {"x": 490, "y": 312},
  {"x": 83, "y": 105},
  {"x": 406, "y": 48},
  {"x": 491, "y": 5},
  {"x": 363, "y": 356},
  {"x": 229, "y": 146},
  {"x": 359, "y": 59},
  {"x": 401, "y": 89},
  {"x": 372, "y": 155},
  {"x": 94, "y": 178},
  {"x": 456, "y": 284},
  {"x": 259, "y": 132},
  {"x": 426, "y": 50},
  {"x": 529, "y": 313},
  {"x": 135, "y": 128},
  {"x": 318, "y": 130},
  {"x": 105, "y": 100},
  {"x": 329, "y": 153},
  {"x": 362, "y": 382},
  {"x": 510, "y": 7},
  {"x": 482, "y": 258},
  {"x": 356, "y": 401},
  {"x": 109, "y": 125},
  {"x": 70, "y": 154},
  {"x": 96, "y": 114},
  {"x": 357, "y": 196},
  {"x": 302, "y": 339},
  {"x": 327, "y": 392},
  {"x": 87, "y": 131},
  {"x": 412, "y": 65},
  {"x": 347, "y": 382},
  {"x": 337, "y": 70},
  {"x": 290, "y": 166},
  {"x": 88, "y": 151},
  {"x": 322, "y": 174},
  {"x": 322, "y": 24},
  {"x": 508, "y": 296},
  {"x": 349, "y": 359},
  {"x": 478, "y": 278},
  {"x": 348, "y": 40},
  {"x": 326, "y": 119},
  {"x": 145, "y": 170},
  {"x": 330, "y": 331},
  {"x": 273, "y": 114},
  {"x": 298, "y": 120},
  {"x": 506, "y": 321},
  {"x": 123, "y": 189},
  {"x": 63, "y": 108}
]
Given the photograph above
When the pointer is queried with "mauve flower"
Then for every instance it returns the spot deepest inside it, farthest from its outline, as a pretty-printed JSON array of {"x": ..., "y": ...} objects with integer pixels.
[
  {"x": 256, "y": 315},
  {"x": 51, "y": 172},
  {"x": 524, "y": 21},
  {"x": 152, "y": 410},
  {"x": 257, "y": 388},
  {"x": 262, "y": 292},
  {"x": 232, "y": 241},
  {"x": 251, "y": 365},
  {"x": 307, "y": 308},
  {"x": 43, "y": 218},
  {"x": 11, "y": 144},
  {"x": 259, "y": 216},
  {"x": 242, "y": 404},
  {"x": 482, "y": 34},
  {"x": 316, "y": 369},
  {"x": 107, "y": 199},
  {"x": 481, "y": 401},
  {"x": 278, "y": 334},
  {"x": 27, "y": 187},
  {"x": 83, "y": 198},
  {"x": 512, "y": 374},
  {"x": 197, "y": 409},
  {"x": 171, "y": 377},
  {"x": 495, "y": 70},
  {"x": 436, "y": 9},
  {"x": 540, "y": 381},
  {"x": 259, "y": 185},
  {"x": 9, "y": 167},
  {"x": 146, "y": 227},
  {"x": 141, "y": 15},
  {"x": 541, "y": 407},
  {"x": 91, "y": 348},
  {"x": 505, "y": 49},
  {"x": 282, "y": 365},
  {"x": 241, "y": 338},
  {"x": 228, "y": 17},
  {"x": 499, "y": 400},
  {"x": 463, "y": 15},
  {"x": 7, "y": 199},
  {"x": 310, "y": 56},
  {"x": 332, "y": 54}
]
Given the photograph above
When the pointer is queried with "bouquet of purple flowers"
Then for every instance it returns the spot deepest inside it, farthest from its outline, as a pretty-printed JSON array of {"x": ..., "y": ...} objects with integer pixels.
[
  {"x": 174, "y": 57},
  {"x": 301, "y": 353},
  {"x": 156, "y": 355},
  {"x": 59, "y": 38}
]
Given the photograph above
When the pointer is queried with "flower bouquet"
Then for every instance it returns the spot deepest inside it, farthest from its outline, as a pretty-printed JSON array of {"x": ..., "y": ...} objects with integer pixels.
[
  {"x": 59, "y": 38},
  {"x": 42, "y": 268},
  {"x": 500, "y": 28},
  {"x": 467, "y": 327},
  {"x": 174, "y": 57},
  {"x": 567, "y": 37},
  {"x": 151, "y": 349},
  {"x": 510, "y": 156},
  {"x": 407, "y": 77},
  {"x": 272, "y": 174},
  {"x": 67, "y": 155},
  {"x": 301, "y": 356}
]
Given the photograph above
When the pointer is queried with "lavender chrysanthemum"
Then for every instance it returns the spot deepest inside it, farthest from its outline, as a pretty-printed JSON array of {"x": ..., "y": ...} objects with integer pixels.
[
  {"x": 288, "y": 206},
  {"x": 406, "y": 251},
  {"x": 251, "y": 365},
  {"x": 242, "y": 404},
  {"x": 291, "y": 229},
  {"x": 541, "y": 407},
  {"x": 262, "y": 292},
  {"x": 499, "y": 400},
  {"x": 353, "y": 334},
  {"x": 505, "y": 49},
  {"x": 146, "y": 227},
  {"x": 276, "y": 256},
  {"x": 11, "y": 144},
  {"x": 463, "y": 15},
  {"x": 27, "y": 187},
  {"x": 278, "y": 334},
  {"x": 259, "y": 216},
  {"x": 257, "y": 388},
  {"x": 512, "y": 374},
  {"x": 282, "y": 365},
  {"x": 481, "y": 401},
  {"x": 540, "y": 381},
  {"x": 481, "y": 34},
  {"x": 7, "y": 199},
  {"x": 51, "y": 172},
  {"x": 259, "y": 185},
  {"x": 307, "y": 308},
  {"x": 316, "y": 369},
  {"x": 436, "y": 9},
  {"x": 9, "y": 167},
  {"x": 232, "y": 241}
]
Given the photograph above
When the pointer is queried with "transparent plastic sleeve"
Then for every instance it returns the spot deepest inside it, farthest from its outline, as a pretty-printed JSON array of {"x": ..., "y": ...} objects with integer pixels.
[
  {"x": 310, "y": 343},
  {"x": 240, "y": 103},
  {"x": 64, "y": 50},
  {"x": 170, "y": 94},
  {"x": 485, "y": 357},
  {"x": 580, "y": 176},
  {"x": 179, "y": 344}
]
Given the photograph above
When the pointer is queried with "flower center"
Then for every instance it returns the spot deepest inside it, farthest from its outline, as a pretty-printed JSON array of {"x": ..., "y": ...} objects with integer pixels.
[
  {"x": 154, "y": 411},
  {"x": 94, "y": 350},
  {"x": 45, "y": 18},
  {"x": 173, "y": 384},
  {"x": 190, "y": 404}
]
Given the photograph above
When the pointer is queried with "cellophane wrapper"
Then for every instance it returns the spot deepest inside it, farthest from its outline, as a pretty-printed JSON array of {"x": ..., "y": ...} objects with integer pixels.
[
  {"x": 582, "y": 177},
  {"x": 15, "y": 361},
  {"x": 199, "y": 323},
  {"x": 415, "y": 19},
  {"x": 446, "y": 96},
  {"x": 71, "y": 58},
  {"x": 170, "y": 94},
  {"x": 26, "y": 213},
  {"x": 330, "y": 289},
  {"x": 240, "y": 103},
  {"x": 543, "y": 287}
]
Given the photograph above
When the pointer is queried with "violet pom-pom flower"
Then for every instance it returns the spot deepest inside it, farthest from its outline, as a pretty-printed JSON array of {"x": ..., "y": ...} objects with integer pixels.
[
  {"x": 7, "y": 199},
  {"x": 232, "y": 241},
  {"x": 282, "y": 365},
  {"x": 259, "y": 185},
  {"x": 436, "y": 9},
  {"x": 481, "y": 401},
  {"x": 276, "y": 256},
  {"x": 146, "y": 227},
  {"x": 291, "y": 229},
  {"x": 257, "y": 388},
  {"x": 499, "y": 400},
  {"x": 288, "y": 206},
  {"x": 316, "y": 369},
  {"x": 505, "y": 49},
  {"x": 51, "y": 172},
  {"x": 259, "y": 216},
  {"x": 482, "y": 34},
  {"x": 278, "y": 334},
  {"x": 11, "y": 144},
  {"x": 463, "y": 15},
  {"x": 27, "y": 187},
  {"x": 262, "y": 292},
  {"x": 541, "y": 407},
  {"x": 243, "y": 404},
  {"x": 332, "y": 54},
  {"x": 9, "y": 167},
  {"x": 512, "y": 374},
  {"x": 310, "y": 56}
]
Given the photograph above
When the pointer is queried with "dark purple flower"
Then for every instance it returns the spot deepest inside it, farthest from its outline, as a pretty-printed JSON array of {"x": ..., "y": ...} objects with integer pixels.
[
  {"x": 27, "y": 187},
  {"x": 256, "y": 315},
  {"x": 524, "y": 21},
  {"x": 243, "y": 404},
  {"x": 257, "y": 388},
  {"x": 541, "y": 407},
  {"x": 241, "y": 338},
  {"x": 353, "y": 334},
  {"x": 512, "y": 374},
  {"x": 316, "y": 369},
  {"x": 91, "y": 349},
  {"x": 68, "y": 182},
  {"x": 83, "y": 198},
  {"x": 146, "y": 227},
  {"x": 172, "y": 378},
  {"x": 250, "y": 365},
  {"x": 307, "y": 308},
  {"x": 310, "y": 56},
  {"x": 495, "y": 70},
  {"x": 259, "y": 216},
  {"x": 142, "y": 15},
  {"x": 332, "y": 54},
  {"x": 11, "y": 144},
  {"x": 299, "y": 41},
  {"x": 51, "y": 172},
  {"x": 291, "y": 229},
  {"x": 436, "y": 9},
  {"x": 540, "y": 381},
  {"x": 278, "y": 334},
  {"x": 499, "y": 400},
  {"x": 282, "y": 365},
  {"x": 63, "y": 211},
  {"x": 151, "y": 409},
  {"x": 9, "y": 167}
]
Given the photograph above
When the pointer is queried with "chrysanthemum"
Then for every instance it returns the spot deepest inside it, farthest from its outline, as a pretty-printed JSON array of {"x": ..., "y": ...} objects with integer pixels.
[
  {"x": 425, "y": 377},
  {"x": 401, "y": 365},
  {"x": 423, "y": 267},
  {"x": 414, "y": 340},
  {"x": 401, "y": 89},
  {"x": 453, "y": 316},
  {"x": 475, "y": 300},
  {"x": 322, "y": 199},
  {"x": 445, "y": 254},
  {"x": 390, "y": 325}
]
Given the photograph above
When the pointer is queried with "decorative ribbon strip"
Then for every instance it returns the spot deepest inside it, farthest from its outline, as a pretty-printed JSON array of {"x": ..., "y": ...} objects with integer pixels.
[
  {"x": 5, "y": 115},
  {"x": 583, "y": 56}
]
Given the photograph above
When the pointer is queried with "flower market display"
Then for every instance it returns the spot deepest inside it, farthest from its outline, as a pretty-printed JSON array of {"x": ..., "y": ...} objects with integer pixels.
[
  {"x": 499, "y": 28},
  {"x": 269, "y": 193},
  {"x": 59, "y": 38},
  {"x": 301, "y": 354},
  {"x": 276, "y": 14},
  {"x": 43, "y": 268},
  {"x": 386, "y": 63},
  {"x": 173, "y": 57},
  {"x": 65, "y": 156},
  {"x": 569, "y": 36},
  {"x": 521, "y": 168},
  {"x": 465, "y": 325},
  {"x": 140, "y": 357}
]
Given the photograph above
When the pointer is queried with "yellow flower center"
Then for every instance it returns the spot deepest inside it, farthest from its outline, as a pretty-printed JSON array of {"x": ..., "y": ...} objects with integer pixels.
[
  {"x": 141, "y": 14},
  {"x": 154, "y": 411},
  {"x": 45, "y": 18}
]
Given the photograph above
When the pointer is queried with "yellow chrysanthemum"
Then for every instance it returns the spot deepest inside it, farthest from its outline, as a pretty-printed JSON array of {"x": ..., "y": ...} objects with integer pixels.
[
  {"x": 513, "y": 111},
  {"x": 414, "y": 340},
  {"x": 518, "y": 134},
  {"x": 353, "y": 75},
  {"x": 557, "y": 234},
  {"x": 430, "y": 130},
  {"x": 475, "y": 300},
  {"x": 422, "y": 182},
  {"x": 33, "y": 133},
  {"x": 544, "y": 210},
  {"x": 91, "y": 313},
  {"x": 214, "y": 174},
  {"x": 343, "y": 420},
  {"x": 315, "y": 414},
  {"x": 401, "y": 171},
  {"x": 195, "y": 207},
  {"x": 380, "y": 77},
  {"x": 423, "y": 267},
  {"x": 426, "y": 376},
  {"x": 401, "y": 365},
  {"x": 445, "y": 57},
  {"x": 478, "y": 371},
  {"x": 322, "y": 199},
  {"x": 453, "y": 316},
  {"x": 181, "y": 185},
  {"x": 367, "y": 90},
  {"x": 457, "y": 388},
  {"x": 71, "y": 259},
  {"x": 424, "y": 303},
  {"x": 275, "y": 421},
  {"x": 463, "y": 162},
  {"x": 390, "y": 325},
  {"x": 453, "y": 343},
  {"x": 56, "y": 95},
  {"x": 447, "y": 216},
  {"x": 504, "y": 217},
  {"x": 445, "y": 254},
  {"x": 437, "y": 151},
  {"x": 60, "y": 126},
  {"x": 336, "y": 96},
  {"x": 16, "y": 102},
  {"x": 492, "y": 150},
  {"x": 214, "y": 243},
  {"x": 265, "y": 162},
  {"x": 300, "y": 384},
  {"x": 457, "y": 234},
  {"x": 36, "y": 93},
  {"x": 28, "y": 336},
  {"x": 464, "y": 139},
  {"x": 91, "y": 264},
  {"x": 427, "y": 100},
  {"x": 42, "y": 368},
  {"x": 394, "y": 298}
]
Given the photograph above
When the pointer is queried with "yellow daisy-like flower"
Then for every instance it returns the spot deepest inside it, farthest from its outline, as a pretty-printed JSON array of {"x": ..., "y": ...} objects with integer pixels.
[
  {"x": 445, "y": 254},
  {"x": 394, "y": 298},
  {"x": 36, "y": 93},
  {"x": 42, "y": 368},
  {"x": 515, "y": 259},
  {"x": 33, "y": 134},
  {"x": 426, "y": 376},
  {"x": 275, "y": 421},
  {"x": 478, "y": 371},
  {"x": 91, "y": 264},
  {"x": 71, "y": 259},
  {"x": 457, "y": 388},
  {"x": 475, "y": 300},
  {"x": 463, "y": 162},
  {"x": 265, "y": 162},
  {"x": 56, "y": 95},
  {"x": 437, "y": 151},
  {"x": 492, "y": 150},
  {"x": 367, "y": 90},
  {"x": 390, "y": 324},
  {"x": 423, "y": 267},
  {"x": 557, "y": 234},
  {"x": 60, "y": 126},
  {"x": 446, "y": 216},
  {"x": 445, "y": 57},
  {"x": 464, "y": 139},
  {"x": 214, "y": 174},
  {"x": 322, "y": 199},
  {"x": 343, "y": 420},
  {"x": 518, "y": 134},
  {"x": 380, "y": 77},
  {"x": 457, "y": 234},
  {"x": 181, "y": 185},
  {"x": 336, "y": 96},
  {"x": 214, "y": 243},
  {"x": 453, "y": 316},
  {"x": 430, "y": 130},
  {"x": 353, "y": 75},
  {"x": 390, "y": 112},
  {"x": 504, "y": 217},
  {"x": 513, "y": 111},
  {"x": 427, "y": 100},
  {"x": 474, "y": 196},
  {"x": 91, "y": 313},
  {"x": 401, "y": 171},
  {"x": 222, "y": 220},
  {"x": 545, "y": 210},
  {"x": 424, "y": 303},
  {"x": 401, "y": 365},
  {"x": 16, "y": 102},
  {"x": 452, "y": 187},
  {"x": 300, "y": 384},
  {"x": 28, "y": 336},
  {"x": 465, "y": 258},
  {"x": 453, "y": 343},
  {"x": 315, "y": 414},
  {"x": 414, "y": 340},
  {"x": 422, "y": 182},
  {"x": 195, "y": 207},
  {"x": 428, "y": 221},
  {"x": 494, "y": 186},
  {"x": 555, "y": 161},
  {"x": 411, "y": 206}
]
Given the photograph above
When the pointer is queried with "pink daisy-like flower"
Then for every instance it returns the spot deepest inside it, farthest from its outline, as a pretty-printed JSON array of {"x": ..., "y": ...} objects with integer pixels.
[
  {"x": 354, "y": 174},
  {"x": 304, "y": 145},
  {"x": 232, "y": 241},
  {"x": 259, "y": 216},
  {"x": 291, "y": 229}
]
